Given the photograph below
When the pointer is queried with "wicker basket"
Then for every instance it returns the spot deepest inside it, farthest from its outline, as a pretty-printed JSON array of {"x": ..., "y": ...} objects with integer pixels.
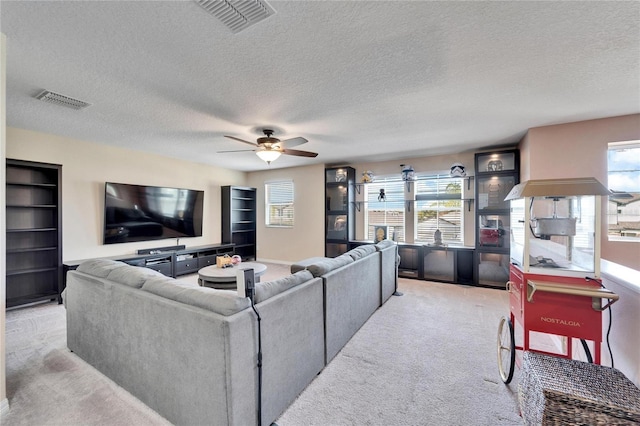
[{"x": 560, "y": 391}]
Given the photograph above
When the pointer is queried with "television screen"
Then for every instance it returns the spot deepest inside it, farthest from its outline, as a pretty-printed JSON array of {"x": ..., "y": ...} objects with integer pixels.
[{"x": 143, "y": 213}]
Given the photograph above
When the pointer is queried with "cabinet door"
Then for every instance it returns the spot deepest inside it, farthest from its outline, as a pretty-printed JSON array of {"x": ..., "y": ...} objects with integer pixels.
[
  {"x": 439, "y": 264},
  {"x": 494, "y": 230},
  {"x": 336, "y": 227},
  {"x": 492, "y": 191},
  {"x": 335, "y": 249},
  {"x": 493, "y": 269},
  {"x": 337, "y": 197},
  {"x": 492, "y": 162},
  {"x": 409, "y": 261},
  {"x": 186, "y": 266},
  {"x": 339, "y": 209}
]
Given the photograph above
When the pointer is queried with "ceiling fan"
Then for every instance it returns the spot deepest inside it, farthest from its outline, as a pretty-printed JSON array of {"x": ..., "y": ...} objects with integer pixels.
[{"x": 269, "y": 148}]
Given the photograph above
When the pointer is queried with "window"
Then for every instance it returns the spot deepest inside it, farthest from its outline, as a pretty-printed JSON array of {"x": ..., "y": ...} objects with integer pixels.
[
  {"x": 279, "y": 204},
  {"x": 385, "y": 208},
  {"x": 439, "y": 206},
  {"x": 623, "y": 209}
]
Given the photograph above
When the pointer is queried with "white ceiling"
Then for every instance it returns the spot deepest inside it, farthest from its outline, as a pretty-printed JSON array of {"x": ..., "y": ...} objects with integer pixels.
[{"x": 361, "y": 80}]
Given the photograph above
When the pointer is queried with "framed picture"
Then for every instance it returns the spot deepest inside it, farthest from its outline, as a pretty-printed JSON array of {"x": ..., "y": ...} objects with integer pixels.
[{"x": 380, "y": 233}]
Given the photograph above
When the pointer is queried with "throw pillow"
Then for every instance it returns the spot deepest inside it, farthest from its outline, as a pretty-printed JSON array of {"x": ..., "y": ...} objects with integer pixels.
[
  {"x": 222, "y": 302},
  {"x": 99, "y": 267},
  {"x": 269, "y": 289},
  {"x": 133, "y": 276},
  {"x": 384, "y": 244},
  {"x": 322, "y": 267},
  {"x": 361, "y": 251}
]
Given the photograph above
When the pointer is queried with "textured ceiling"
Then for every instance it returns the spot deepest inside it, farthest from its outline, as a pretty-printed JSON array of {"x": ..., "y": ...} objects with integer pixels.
[{"x": 361, "y": 80}]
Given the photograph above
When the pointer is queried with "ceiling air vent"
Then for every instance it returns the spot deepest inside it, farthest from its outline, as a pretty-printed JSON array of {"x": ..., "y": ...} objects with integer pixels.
[
  {"x": 62, "y": 100},
  {"x": 237, "y": 14}
]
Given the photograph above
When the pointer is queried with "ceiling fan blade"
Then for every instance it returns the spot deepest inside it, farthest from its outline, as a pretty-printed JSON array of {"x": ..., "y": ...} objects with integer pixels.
[
  {"x": 241, "y": 140},
  {"x": 290, "y": 143},
  {"x": 236, "y": 150},
  {"x": 299, "y": 153}
]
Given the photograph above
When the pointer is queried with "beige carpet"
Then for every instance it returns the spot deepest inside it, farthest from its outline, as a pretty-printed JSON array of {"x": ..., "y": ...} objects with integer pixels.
[{"x": 426, "y": 358}]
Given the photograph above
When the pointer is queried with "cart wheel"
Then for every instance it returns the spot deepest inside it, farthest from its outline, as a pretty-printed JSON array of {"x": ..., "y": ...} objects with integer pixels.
[{"x": 506, "y": 350}]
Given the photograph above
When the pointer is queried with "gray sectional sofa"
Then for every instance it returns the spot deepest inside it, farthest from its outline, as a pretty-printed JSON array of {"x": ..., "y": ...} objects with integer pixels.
[
  {"x": 355, "y": 285},
  {"x": 190, "y": 353}
]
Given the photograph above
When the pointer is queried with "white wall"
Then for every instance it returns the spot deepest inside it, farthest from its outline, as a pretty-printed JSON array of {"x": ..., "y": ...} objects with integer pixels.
[
  {"x": 86, "y": 166},
  {"x": 625, "y": 319},
  {"x": 580, "y": 150},
  {"x": 306, "y": 238}
]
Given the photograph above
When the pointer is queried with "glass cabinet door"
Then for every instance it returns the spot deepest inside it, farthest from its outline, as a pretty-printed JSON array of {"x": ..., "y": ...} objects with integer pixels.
[
  {"x": 337, "y": 175},
  {"x": 439, "y": 264},
  {"x": 496, "y": 162},
  {"x": 337, "y": 199},
  {"x": 492, "y": 191},
  {"x": 493, "y": 269},
  {"x": 336, "y": 227},
  {"x": 493, "y": 230}
]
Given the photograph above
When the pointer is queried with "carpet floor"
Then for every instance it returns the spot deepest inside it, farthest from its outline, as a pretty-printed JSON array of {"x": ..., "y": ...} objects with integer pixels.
[{"x": 425, "y": 358}]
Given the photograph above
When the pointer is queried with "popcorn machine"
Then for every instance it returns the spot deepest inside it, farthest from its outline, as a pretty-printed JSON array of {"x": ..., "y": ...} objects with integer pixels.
[{"x": 555, "y": 292}]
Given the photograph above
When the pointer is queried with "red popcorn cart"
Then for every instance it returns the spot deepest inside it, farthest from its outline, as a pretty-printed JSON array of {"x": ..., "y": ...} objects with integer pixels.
[{"x": 555, "y": 294}]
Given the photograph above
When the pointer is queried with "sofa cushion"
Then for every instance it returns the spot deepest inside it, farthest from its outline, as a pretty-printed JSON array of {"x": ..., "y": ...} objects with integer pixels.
[
  {"x": 329, "y": 264},
  {"x": 219, "y": 301},
  {"x": 384, "y": 244},
  {"x": 133, "y": 276},
  {"x": 361, "y": 251},
  {"x": 99, "y": 267},
  {"x": 302, "y": 265},
  {"x": 271, "y": 288}
]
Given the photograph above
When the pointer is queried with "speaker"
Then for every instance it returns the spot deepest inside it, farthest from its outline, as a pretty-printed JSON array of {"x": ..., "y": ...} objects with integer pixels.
[{"x": 246, "y": 282}]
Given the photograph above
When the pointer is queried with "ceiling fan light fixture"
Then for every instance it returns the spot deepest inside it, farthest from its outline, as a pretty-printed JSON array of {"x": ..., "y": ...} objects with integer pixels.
[{"x": 268, "y": 156}]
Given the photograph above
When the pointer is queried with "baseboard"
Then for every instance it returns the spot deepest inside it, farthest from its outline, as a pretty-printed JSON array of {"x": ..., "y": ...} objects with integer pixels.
[
  {"x": 279, "y": 262},
  {"x": 4, "y": 407}
]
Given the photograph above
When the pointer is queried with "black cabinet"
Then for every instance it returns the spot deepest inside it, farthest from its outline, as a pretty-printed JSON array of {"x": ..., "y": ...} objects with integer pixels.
[
  {"x": 410, "y": 261},
  {"x": 448, "y": 264},
  {"x": 163, "y": 263},
  {"x": 239, "y": 220},
  {"x": 171, "y": 263},
  {"x": 497, "y": 173},
  {"x": 451, "y": 264},
  {"x": 340, "y": 209},
  {"x": 34, "y": 232}
]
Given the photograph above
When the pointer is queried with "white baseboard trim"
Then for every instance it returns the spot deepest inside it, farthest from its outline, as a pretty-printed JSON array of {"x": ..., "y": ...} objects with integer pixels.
[
  {"x": 280, "y": 262},
  {"x": 4, "y": 407}
]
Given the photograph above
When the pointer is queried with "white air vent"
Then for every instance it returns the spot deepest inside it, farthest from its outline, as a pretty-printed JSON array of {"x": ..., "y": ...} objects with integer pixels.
[
  {"x": 62, "y": 100},
  {"x": 237, "y": 14}
]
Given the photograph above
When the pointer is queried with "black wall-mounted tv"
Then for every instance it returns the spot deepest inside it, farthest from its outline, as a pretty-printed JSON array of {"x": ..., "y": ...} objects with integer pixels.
[{"x": 142, "y": 213}]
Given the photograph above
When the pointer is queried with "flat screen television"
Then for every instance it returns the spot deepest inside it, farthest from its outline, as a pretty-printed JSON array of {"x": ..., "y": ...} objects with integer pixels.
[{"x": 143, "y": 213}]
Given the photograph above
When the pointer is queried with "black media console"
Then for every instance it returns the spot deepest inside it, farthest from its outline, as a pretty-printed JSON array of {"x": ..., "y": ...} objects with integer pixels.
[{"x": 167, "y": 261}]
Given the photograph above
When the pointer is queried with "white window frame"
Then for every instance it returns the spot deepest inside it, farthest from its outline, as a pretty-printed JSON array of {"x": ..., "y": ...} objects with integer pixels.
[
  {"x": 275, "y": 209},
  {"x": 623, "y": 208},
  {"x": 394, "y": 202},
  {"x": 440, "y": 196}
]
